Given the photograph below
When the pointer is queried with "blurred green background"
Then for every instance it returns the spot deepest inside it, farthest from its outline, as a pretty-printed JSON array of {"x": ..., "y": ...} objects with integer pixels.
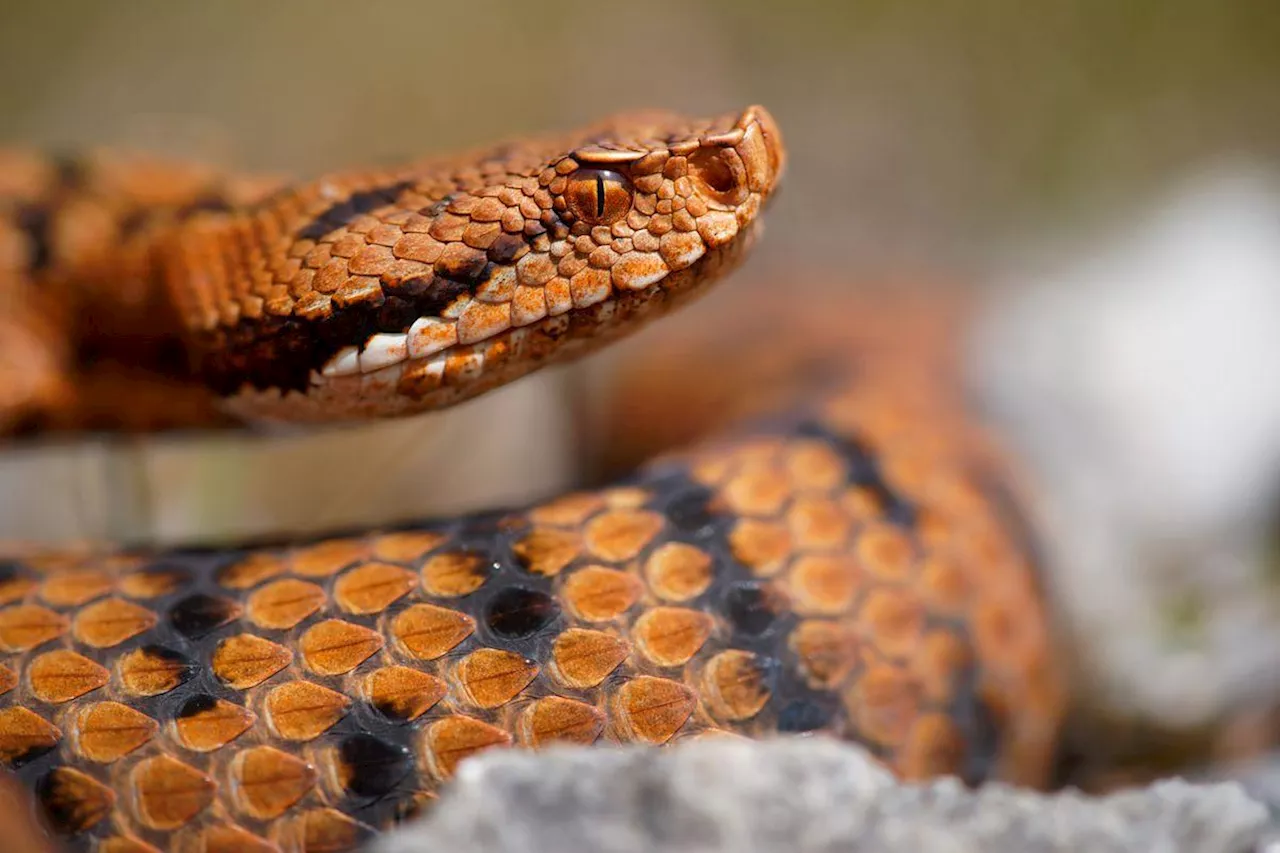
[{"x": 919, "y": 130}]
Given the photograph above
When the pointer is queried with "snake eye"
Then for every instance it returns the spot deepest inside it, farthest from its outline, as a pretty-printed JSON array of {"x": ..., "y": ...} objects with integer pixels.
[{"x": 598, "y": 196}]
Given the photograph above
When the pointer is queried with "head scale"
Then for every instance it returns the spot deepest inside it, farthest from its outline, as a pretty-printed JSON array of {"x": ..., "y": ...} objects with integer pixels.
[{"x": 373, "y": 295}]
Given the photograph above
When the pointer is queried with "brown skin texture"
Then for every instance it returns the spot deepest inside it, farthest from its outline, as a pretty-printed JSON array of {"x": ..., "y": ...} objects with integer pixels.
[
  {"x": 833, "y": 553},
  {"x": 22, "y": 831},
  {"x": 477, "y": 267}
]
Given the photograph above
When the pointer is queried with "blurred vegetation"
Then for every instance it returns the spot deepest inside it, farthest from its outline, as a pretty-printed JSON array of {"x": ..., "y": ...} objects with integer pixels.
[{"x": 915, "y": 127}]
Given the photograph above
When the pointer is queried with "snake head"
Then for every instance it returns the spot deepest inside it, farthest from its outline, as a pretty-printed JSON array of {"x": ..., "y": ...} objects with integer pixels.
[{"x": 375, "y": 295}]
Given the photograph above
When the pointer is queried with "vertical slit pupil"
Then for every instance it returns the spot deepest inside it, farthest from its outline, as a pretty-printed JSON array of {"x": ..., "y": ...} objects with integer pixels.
[{"x": 599, "y": 195}]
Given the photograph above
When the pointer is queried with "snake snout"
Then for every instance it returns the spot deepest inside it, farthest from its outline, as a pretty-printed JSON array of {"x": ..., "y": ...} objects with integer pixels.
[
  {"x": 731, "y": 165},
  {"x": 761, "y": 149}
]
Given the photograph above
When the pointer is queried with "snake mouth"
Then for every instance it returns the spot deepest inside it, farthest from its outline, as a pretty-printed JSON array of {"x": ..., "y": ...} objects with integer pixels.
[
  {"x": 612, "y": 232},
  {"x": 464, "y": 371}
]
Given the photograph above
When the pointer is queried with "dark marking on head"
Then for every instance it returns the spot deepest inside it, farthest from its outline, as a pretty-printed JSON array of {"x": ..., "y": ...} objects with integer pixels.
[
  {"x": 396, "y": 313},
  {"x": 281, "y": 353},
  {"x": 506, "y": 248},
  {"x": 431, "y": 211},
  {"x": 345, "y": 212},
  {"x": 557, "y": 227},
  {"x": 438, "y": 294},
  {"x": 406, "y": 289},
  {"x": 208, "y": 202},
  {"x": 10, "y": 570},
  {"x": 471, "y": 266},
  {"x": 139, "y": 220}
]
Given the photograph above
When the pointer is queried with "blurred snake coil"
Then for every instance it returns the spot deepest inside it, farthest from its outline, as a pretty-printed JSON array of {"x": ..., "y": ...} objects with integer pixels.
[{"x": 845, "y": 560}]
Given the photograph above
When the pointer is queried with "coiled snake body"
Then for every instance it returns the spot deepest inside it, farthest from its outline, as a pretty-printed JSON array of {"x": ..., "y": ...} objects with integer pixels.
[{"x": 844, "y": 565}]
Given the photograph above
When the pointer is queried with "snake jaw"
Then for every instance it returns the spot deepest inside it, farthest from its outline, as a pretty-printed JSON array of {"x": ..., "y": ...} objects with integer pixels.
[{"x": 418, "y": 289}]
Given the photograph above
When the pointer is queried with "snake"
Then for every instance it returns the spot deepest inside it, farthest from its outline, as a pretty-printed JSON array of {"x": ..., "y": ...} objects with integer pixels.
[{"x": 845, "y": 557}]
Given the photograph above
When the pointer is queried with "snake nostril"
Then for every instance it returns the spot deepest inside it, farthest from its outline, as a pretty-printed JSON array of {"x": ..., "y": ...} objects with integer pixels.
[
  {"x": 719, "y": 174},
  {"x": 711, "y": 168}
]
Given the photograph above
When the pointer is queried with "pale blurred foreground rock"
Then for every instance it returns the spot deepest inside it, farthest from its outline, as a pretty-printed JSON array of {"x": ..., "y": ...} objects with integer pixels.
[
  {"x": 805, "y": 795},
  {"x": 1133, "y": 373}
]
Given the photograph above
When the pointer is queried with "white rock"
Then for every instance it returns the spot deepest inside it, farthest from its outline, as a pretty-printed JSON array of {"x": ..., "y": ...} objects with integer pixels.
[{"x": 1141, "y": 380}]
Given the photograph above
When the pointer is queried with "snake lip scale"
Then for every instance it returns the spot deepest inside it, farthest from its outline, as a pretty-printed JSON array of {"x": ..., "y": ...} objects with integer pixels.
[{"x": 842, "y": 566}]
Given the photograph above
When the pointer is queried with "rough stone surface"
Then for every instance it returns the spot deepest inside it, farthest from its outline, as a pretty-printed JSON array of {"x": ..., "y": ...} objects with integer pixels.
[
  {"x": 1260, "y": 778},
  {"x": 805, "y": 795}
]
